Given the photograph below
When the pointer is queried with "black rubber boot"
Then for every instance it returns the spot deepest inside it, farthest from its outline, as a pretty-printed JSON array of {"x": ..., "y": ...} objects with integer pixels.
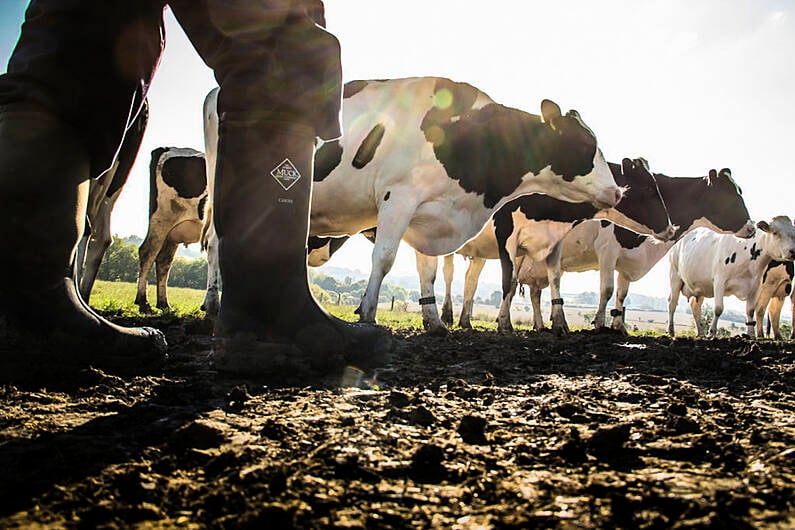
[
  {"x": 45, "y": 327},
  {"x": 262, "y": 199}
]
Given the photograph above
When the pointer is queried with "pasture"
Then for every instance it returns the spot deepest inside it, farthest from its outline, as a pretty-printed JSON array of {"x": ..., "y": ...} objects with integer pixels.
[{"x": 473, "y": 430}]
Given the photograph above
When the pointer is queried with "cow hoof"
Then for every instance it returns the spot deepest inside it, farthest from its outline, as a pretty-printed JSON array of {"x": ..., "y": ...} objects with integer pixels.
[
  {"x": 560, "y": 331},
  {"x": 144, "y": 308},
  {"x": 437, "y": 331}
]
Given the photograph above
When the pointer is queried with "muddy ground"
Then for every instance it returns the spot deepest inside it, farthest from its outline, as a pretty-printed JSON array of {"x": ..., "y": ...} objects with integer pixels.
[{"x": 475, "y": 430}]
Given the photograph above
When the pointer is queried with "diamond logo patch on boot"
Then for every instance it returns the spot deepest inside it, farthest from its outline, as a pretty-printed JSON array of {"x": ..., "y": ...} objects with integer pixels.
[{"x": 286, "y": 174}]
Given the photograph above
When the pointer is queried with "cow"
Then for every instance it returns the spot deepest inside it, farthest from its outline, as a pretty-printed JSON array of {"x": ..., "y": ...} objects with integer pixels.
[
  {"x": 429, "y": 160},
  {"x": 531, "y": 225},
  {"x": 177, "y": 202},
  {"x": 705, "y": 264},
  {"x": 102, "y": 196},
  {"x": 776, "y": 286},
  {"x": 714, "y": 201}
]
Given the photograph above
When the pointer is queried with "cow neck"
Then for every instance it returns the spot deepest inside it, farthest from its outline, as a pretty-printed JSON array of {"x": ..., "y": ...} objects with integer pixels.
[
  {"x": 683, "y": 196},
  {"x": 759, "y": 257}
]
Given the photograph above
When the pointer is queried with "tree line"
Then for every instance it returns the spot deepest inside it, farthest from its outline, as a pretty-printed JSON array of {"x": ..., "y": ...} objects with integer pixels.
[{"x": 121, "y": 265}]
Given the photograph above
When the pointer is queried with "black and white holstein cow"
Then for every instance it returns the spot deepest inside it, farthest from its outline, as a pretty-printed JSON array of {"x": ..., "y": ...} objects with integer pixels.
[
  {"x": 709, "y": 265},
  {"x": 714, "y": 202},
  {"x": 102, "y": 196},
  {"x": 177, "y": 199},
  {"x": 532, "y": 225},
  {"x": 776, "y": 286},
  {"x": 428, "y": 160}
]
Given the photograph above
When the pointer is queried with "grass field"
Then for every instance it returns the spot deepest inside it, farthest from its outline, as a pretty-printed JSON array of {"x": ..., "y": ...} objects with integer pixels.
[{"x": 116, "y": 298}]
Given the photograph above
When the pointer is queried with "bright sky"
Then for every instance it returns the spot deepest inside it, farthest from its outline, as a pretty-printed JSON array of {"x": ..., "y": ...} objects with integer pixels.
[{"x": 688, "y": 85}]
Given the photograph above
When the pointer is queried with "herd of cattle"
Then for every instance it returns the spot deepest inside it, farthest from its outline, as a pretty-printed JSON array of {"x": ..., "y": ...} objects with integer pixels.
[{"x": 440, "y": 165}]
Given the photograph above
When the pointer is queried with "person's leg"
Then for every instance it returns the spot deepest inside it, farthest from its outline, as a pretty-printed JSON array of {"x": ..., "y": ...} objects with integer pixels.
[
  {"x": 279, "y": 90},
  {"x": 45, "y": 325}
]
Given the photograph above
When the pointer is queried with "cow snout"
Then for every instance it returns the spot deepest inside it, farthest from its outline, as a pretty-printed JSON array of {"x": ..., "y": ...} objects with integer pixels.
[
  {"x": 668, "y": 234},
  {"x": 748, "y": 230},
  {"x": 609, "y": 197}
]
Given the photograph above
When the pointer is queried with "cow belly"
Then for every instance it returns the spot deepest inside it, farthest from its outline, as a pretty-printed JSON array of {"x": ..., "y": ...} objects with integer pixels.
[
  {"x": 438, "y": 232},
  {"x": 340, "y": 208},
  {"x": 186, "y": 232}
]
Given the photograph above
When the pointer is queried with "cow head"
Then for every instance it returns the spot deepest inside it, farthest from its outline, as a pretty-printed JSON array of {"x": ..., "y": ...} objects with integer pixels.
[
  {"x": 642, "y": 208},
  {"x": 730, "y": 214},
  {"x": 575, "y": 156},
  {"x": 778, "y": 239}
]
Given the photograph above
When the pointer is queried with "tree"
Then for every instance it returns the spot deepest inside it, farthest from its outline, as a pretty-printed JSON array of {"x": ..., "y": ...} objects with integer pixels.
[
  {"x": 120, "y": 263},
  {"x": 188, "y": 273},
  {"x": 495, "y": 298}
]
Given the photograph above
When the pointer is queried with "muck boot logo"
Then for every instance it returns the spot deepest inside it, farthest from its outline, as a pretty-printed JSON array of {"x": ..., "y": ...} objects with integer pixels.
[{"x": 286, "y": 174}]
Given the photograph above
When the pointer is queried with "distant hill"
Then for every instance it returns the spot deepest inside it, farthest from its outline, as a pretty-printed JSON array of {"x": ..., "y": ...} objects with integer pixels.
[{"x": 410, "y": 282}]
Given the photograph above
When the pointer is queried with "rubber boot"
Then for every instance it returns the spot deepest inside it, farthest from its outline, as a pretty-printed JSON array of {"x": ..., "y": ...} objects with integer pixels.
[
  {"x": 262, "y": 199},
  {"x": 45, "y": 327}
]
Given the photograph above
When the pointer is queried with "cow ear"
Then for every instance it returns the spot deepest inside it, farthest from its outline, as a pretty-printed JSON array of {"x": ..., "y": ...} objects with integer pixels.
[
  {"x": 711, "y": 176},
  {"x": 549, "y": 110},
  {"x": 725, "y": 172},
  {"x": 627, "y": 165},
  {"x": 645, "y": 163},
  {"x": 763, "y": 226}
]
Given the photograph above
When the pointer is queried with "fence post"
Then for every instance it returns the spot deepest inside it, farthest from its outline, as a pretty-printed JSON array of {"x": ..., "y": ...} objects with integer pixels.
[
  {"x": 339, "y": 295},
  {"x": 392, "y": 308}
]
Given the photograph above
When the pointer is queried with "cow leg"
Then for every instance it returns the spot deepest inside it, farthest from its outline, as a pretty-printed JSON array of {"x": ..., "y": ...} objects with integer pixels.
[
  {"x": 774, "y": 316},
  {"x": 211, "y": 302},
  {"x": 559, "y": 325},
  {"x": 470, "y": 287},
  {"x": 507, "y": 252},
  {"x": 147, "y": 254},
  {"x": 46, "y": 326},
  {"x": 619, "y": 313},
  {"x": 393, "y": 219},
  {"x": 535, "y": 300},
  {"x": 426, "y": 267},
  {"x": 719, "y": 291},
  {"x": 696, "y": 303},
  {"x": 750, "y": 309},
  {"x": 792, "y": 314},
  {"x": 447, "y": 307},
  {"x": 162, "y": 267},
  {"x": 673, "y": 300},
  {"x": 762, "y": 302}
]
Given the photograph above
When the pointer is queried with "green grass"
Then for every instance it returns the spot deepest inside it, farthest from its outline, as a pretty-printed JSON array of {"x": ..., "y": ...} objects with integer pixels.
[{"x": 116, "y": 298}]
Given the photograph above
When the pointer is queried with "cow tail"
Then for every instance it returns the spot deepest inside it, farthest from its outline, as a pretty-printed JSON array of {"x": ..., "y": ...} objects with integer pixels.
[
  {"x": 156, "y": 154},
  {"x": 208, "y": 219}
]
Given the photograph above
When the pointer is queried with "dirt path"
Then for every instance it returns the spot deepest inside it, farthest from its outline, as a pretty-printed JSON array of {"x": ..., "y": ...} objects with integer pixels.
[{"x": 475, "y": 430}]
